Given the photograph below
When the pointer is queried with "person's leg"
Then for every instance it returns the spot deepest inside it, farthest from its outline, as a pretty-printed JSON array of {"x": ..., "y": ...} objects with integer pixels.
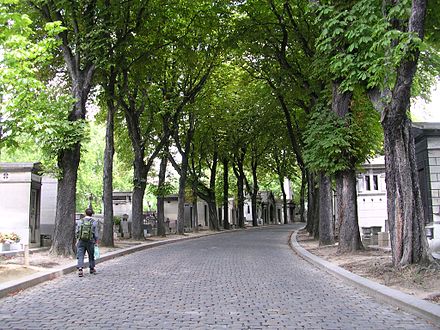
[
  {"x": 80, "y": 256},
  {"x": 91, "y": 253}
]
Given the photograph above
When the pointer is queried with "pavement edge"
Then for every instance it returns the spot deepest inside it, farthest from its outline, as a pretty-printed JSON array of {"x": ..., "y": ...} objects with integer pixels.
[{"x": 406, "y": 302}]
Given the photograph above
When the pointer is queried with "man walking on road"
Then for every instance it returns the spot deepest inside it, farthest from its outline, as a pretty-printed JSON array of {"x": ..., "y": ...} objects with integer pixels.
[{"x": 87, "y": 235}]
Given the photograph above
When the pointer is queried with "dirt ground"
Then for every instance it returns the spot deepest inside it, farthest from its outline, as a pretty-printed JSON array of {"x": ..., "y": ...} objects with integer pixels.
[{"x": 375, "y": 264}]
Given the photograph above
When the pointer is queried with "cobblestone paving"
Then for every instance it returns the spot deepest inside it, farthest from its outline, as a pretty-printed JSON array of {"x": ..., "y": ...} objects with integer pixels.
[{"x": 242, "y": 280}]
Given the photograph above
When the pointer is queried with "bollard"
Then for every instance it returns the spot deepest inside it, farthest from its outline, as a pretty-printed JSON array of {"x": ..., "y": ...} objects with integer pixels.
[{"x": 26, "y": 254}]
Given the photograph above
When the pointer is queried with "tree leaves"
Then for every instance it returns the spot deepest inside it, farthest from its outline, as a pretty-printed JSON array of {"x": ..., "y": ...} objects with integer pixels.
[{"x": 334, "y": 144}]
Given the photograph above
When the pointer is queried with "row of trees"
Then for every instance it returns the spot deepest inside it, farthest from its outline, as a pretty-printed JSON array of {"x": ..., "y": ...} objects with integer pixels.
[{"x": 301, "y": 89}]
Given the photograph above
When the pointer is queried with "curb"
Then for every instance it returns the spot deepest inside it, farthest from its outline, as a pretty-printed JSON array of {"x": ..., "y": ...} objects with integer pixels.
[
  {"x": 12, "y": 287},
  {"x": 406, "y": 302}
]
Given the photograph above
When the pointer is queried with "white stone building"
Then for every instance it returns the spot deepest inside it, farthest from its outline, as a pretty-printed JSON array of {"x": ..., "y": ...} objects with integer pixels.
[
  {"x": 20, "y": 198},
  {"x": 372, "y": 195}
]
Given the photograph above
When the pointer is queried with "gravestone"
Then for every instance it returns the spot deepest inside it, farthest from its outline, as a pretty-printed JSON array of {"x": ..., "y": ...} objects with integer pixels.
[{"x": 124, "y": 226}]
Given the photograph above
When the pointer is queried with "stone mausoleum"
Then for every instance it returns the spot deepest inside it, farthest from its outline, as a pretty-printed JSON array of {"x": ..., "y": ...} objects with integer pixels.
[{"x": 20, "y": 200}]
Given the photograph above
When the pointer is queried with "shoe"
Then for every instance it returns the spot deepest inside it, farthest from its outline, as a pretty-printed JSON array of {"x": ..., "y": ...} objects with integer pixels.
[
  {"x": 93, "y": 271},
  {"x": 80, "y": 272}
]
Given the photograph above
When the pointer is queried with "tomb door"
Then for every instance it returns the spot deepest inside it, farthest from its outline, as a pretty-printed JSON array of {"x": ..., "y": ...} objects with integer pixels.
[{"x": 34, "y": 214}]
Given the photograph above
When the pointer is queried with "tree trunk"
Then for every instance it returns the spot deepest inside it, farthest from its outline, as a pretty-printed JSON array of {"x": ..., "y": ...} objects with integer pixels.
[
  {"x": 312, "y": 200},
  {"x": 315, "y": 213},
  {"x": 346, "y": 215},
  {"x": 283, "y": 192},
  {"x": 349, "y": 235},
  {"x": 225, "y": 194},
  {"x": 137, "y": 207},
  {"x": 404, "y": 204},
  {"x": 181, "y": 198},
  {"x": 213, "y": 219},
  {"x": 302, "y": 194},
  {"x": 183, "y": 174},
  {"x": 325, "y": 211},
  {"x": 196, "y": 212},
  {"x": 195, "y": 218},
  {"x": 286, "y": 221},
  {"x": 68, "y": 162},
  {"x": 254, "y": 195},
  {"x": 161, "y": 196},
  {"x": 107, "y": 196},
  {"x": 64, "y": 233},
  {"x": 339, "y": 203},
  {"x": 212, "y": 203},
  {"x": 405, "y": 211},
  {"x": 240, "y": 202}
]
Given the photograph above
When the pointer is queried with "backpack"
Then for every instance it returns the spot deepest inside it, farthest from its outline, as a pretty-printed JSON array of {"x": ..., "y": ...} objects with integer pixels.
[{"x": 85, "y": 230}]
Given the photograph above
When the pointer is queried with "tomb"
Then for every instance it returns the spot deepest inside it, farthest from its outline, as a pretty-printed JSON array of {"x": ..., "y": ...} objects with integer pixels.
[{"x": 20, "y": 200}]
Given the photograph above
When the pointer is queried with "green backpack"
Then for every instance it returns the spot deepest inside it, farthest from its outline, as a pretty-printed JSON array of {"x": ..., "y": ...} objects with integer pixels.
[{"x": 85, "y": 230}]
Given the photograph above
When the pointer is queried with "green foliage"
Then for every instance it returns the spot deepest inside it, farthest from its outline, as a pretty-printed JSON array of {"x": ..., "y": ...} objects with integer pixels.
[
  {"x": 29, "y": 105},
  {"x": 432, "y": 24},
  {"x": 334, "y": 144},
  {"x": 91, "y": 168},
  {"x": 358, "y": 44},
  {"x": 164, "y": 190}
]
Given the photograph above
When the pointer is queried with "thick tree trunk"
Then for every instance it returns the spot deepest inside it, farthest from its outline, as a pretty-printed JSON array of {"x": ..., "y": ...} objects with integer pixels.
[
  {"x": 286, "y": 221},
  {"x": 64, "y": 233},
  {"x": 225, "y": 194},
  {"x": 346, "y": 215},
  {"x": 137, "y": 211},
  {"x": 181, "y": 198},
  {"x": 137, "y": 207},
  {"x": 302, "y": 195},
  {"x": 196, "y": 212},
  {"x": 183, "y": 174},
  {"x": 68, "y": 162},
  {"x": 254, "y": 195},
  {"x": 240, "y": 202},
  {"x": 212, "y": 203},
  {"x": 107, "y": 196},
  {"x": 349, "y": 236},
  {"x": 405, "y": 212},
  {"x": 160, "y": 197},
  {"x": 140, "y": 170},
  {"x": 195, "y": 218},
  {"x": 339, "y": 206},
  {"x": 315, "y": 214},
  {"x": 312, "y": 200},
  {"x": 213, "y": 219},
  {"x": 325, "y": 211}
]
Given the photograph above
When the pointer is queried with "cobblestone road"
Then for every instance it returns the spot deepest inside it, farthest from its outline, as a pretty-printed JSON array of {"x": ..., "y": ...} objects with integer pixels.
[{"x": 242, "y": 280}]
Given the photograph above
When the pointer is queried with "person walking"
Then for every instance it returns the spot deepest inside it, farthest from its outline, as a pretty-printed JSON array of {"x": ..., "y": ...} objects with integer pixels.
[{"x": 87, "y": 236}]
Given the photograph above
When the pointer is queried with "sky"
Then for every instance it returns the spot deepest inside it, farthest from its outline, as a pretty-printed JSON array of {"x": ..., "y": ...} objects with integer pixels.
[{"x": 427, "y": 112}]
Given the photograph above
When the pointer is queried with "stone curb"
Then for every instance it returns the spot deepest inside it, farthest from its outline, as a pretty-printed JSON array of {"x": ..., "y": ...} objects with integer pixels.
[
  {"x": 11, "y": 287},
  {"x": 406, "y": 302}
]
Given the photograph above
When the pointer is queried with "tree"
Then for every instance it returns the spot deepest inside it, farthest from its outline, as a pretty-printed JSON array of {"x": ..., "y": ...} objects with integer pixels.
[
  {"x": 405, "y": 210},
  {"x": 384, "y": 47},
  {"x": 79, "y": 51},
  {"x": 120, "y": 30},
  {"x": 24, "y": 94},
  {"x": 279, "y": 48}
]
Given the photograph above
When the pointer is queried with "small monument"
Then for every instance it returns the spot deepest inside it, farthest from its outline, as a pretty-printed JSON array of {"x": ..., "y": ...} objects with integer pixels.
[{"x": 124, "y": 226}]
